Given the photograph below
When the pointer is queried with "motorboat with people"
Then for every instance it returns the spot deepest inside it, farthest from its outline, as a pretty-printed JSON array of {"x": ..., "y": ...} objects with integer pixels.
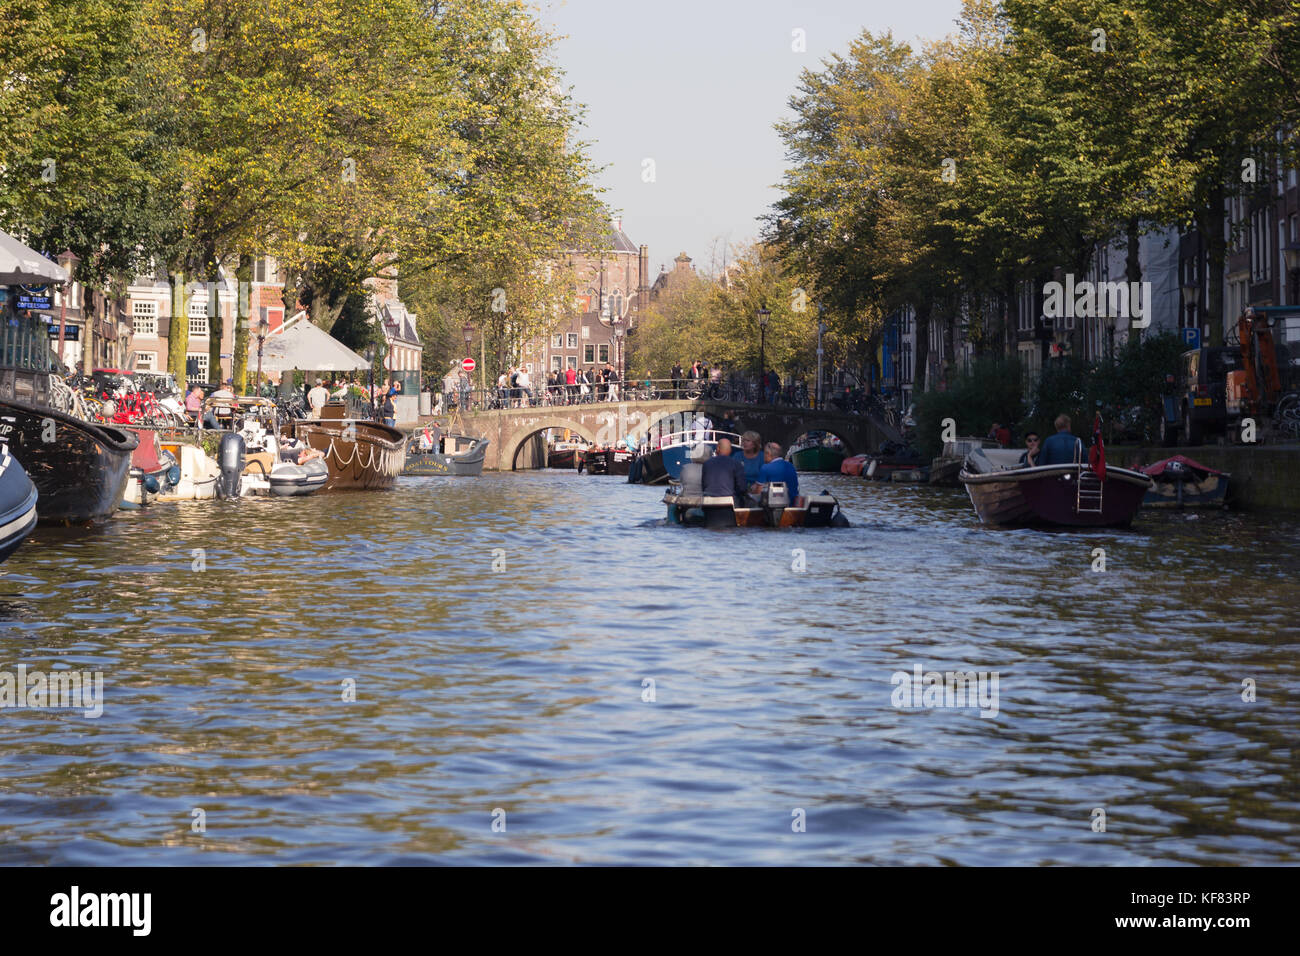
[
  {"x": 775, "y": 507},
  {"x": 1004, "y": 492},
  {"x": 1181, "y": 482},
  {"x": 451, "y": 454},
  {"x": 18, "y": 497},
  {"x": 360, "y": 455}
]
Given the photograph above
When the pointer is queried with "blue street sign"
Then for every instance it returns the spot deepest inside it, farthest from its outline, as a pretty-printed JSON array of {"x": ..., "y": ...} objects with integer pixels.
[{"x": 1192, "y": 338}]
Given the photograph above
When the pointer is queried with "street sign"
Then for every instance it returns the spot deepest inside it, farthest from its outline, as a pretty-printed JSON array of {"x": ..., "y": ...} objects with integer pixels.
[
  {"x": 1192, "y": 338},
  {"x": 468, "y": 364},
  {"x": 70, "y": 332}
]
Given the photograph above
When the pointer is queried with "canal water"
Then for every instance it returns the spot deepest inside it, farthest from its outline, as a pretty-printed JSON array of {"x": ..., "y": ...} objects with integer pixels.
[{"x": 543, "y": 673}]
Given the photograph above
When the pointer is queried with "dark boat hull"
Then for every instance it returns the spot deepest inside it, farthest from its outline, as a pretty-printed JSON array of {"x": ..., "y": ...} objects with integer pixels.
[
  {"x": 564, "y": 458},
  {"x": 467, "y": 464},
  {"x": 18, "y": 497},
  {"x": 1046, "y": 496},
  {"x": 80, "y": 471}
]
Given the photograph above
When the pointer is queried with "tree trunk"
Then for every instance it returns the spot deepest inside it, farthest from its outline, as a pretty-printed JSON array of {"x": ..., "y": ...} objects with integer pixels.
[
  {"x": 1216, "y": 248},
  {"x": 921, "y": 362},
  {"x": 178, "y": 330},
  {"x": 239, "y": 350},
  {"x": 212, "y": 276}
]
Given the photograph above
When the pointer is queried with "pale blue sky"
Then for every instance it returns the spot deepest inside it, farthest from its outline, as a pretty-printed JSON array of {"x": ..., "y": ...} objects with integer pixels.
[{"x": 708, "y": 79}]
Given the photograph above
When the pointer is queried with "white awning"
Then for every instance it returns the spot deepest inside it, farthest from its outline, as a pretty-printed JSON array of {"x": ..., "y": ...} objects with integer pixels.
[
  {"x": 303, "y": 346},
  {"x": 20, "y": 265}
]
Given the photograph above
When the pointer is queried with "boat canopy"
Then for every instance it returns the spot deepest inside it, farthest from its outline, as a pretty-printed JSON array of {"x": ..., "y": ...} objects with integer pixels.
[{"x": 1172, "y": 464}]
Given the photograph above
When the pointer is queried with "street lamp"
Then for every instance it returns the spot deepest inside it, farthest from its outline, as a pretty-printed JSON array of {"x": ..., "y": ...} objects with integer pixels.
[
  {"x": 821, "y": 330},
  {"x": 618, "y": 347},
  {"x": 68, "y": 260},
  {"x": 1292, "y": 255},
  {"x": 763, "y": 316},
  {"x": 262, "y": 327}
]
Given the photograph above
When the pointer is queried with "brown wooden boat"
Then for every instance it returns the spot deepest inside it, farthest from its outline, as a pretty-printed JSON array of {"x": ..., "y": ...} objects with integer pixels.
[
  {"x": 360, "y": 454},
  {"x": 1060, "y": 495}
]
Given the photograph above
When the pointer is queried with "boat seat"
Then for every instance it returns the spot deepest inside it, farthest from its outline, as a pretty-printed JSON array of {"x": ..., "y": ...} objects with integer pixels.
[
  {"x": 983, "y": 461},
  {"x": 692, "y": 478}
]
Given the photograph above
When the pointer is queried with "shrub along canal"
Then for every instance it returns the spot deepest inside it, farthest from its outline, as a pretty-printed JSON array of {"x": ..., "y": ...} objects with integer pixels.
[{"x": 534, "y": 650}]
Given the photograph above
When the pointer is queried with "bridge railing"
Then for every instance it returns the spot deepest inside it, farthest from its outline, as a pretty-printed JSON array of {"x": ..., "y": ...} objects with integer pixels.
[{"x": 732, "y": 391}]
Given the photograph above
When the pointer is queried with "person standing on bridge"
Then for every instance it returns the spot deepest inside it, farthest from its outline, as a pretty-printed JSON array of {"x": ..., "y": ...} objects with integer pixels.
[
  {"x": 676, "y": 375},
  {"x": 571, "y": 385}
]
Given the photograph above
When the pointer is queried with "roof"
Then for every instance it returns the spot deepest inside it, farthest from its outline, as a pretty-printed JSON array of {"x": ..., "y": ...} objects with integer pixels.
[
  {"x": 20, "y": 265},
  {"x": 399, "y": 324},
  {"x": 299, "y": 344}
]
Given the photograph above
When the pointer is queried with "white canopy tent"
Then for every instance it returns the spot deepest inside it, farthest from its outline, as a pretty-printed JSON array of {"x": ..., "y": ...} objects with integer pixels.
[
  {"x": 20, "y": 265},
  {"x": 300, "y": 345}
]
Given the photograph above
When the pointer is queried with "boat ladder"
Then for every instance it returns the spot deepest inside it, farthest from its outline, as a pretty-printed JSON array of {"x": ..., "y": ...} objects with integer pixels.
[{"x": 1087, "y": 492}]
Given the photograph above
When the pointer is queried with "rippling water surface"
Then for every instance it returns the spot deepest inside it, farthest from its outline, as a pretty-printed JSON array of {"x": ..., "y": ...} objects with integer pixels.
[{"x": 520, "y": 688}]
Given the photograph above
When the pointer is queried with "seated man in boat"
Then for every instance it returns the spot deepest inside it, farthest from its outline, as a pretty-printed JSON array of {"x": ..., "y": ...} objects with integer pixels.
[
  {"x": 1030, "y": 456},
  {"x": 776, "y": 468},
  {"x": 724, "y": 474},
  {"x": 297, "y": 452},
  {"x": 1062, "y": 448}
]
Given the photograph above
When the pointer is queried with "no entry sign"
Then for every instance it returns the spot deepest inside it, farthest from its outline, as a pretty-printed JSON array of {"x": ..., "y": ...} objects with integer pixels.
[{"x": 467, "y": 364}]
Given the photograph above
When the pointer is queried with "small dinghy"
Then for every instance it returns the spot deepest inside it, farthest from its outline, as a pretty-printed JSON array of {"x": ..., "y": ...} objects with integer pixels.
[
  {"x": 17, "y": 504},
  {"x": 154, "y": 471},
  {"x": 198, "y": 478},
  {"x": 1181, "y": 482}
]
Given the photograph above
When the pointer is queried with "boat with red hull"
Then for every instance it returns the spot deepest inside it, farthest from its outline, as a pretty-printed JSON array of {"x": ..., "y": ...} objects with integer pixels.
[{"x": 1070, "y": 495}]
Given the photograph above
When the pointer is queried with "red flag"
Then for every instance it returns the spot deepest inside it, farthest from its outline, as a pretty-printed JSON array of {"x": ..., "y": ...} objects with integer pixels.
[{"x": 1097, "y": 453}]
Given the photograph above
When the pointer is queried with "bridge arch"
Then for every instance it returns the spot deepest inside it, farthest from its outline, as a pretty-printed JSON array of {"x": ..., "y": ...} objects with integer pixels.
[
  {"x": 793, "y": 433},
  {"x": 511, "y": 445}
]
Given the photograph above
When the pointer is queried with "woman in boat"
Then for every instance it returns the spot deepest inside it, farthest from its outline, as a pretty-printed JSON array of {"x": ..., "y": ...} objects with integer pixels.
[{"x": 751, "y": 455}]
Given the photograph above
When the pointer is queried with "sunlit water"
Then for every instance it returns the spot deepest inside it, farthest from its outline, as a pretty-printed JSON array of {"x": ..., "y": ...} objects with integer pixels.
[{"x": 522, "y": 689}]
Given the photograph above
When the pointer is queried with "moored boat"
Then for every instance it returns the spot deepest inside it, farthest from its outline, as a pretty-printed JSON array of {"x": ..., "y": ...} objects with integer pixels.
[
  {"x": 663, "y": 462},
  {"x": 198, "y": 473},
  {"x": 18, "y": 497},
  {"x": 1070, "y": 495},
  {"x": 1180, "y": 482},
  {"x": 946, "y": 468},
  {"x": 153, "y": 470},
  {"x": 825, "y": 454},
  {"x": 460, "y": 455},
  {"x": 613, "y": 460},
  {"x": 360, "y": 455}
]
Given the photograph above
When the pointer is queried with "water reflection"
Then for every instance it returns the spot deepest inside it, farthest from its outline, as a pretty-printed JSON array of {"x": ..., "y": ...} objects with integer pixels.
[{"x": 522, "y": 688}]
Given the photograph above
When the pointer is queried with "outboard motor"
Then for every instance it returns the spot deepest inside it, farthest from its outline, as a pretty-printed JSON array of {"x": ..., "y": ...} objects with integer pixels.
[{"x": 230, "y": 458}]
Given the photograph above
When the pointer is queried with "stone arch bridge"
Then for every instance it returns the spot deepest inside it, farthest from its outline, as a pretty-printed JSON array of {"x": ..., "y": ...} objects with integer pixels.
[{"x": 509, "y": 429}]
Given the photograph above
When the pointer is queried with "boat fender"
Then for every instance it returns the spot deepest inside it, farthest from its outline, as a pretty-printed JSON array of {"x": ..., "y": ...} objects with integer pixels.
[
  {"x": 151, "y": 485},
  {"x": 230, "y": 459},
  {"x": 174, "y": 475}
]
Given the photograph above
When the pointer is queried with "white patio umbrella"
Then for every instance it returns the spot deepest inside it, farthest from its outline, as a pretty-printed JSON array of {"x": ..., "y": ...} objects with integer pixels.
[{"x": 20, "y": 265}]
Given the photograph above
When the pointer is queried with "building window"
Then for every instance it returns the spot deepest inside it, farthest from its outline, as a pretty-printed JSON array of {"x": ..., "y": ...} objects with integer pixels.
[
  {"x": 604, "y": 353},
  {"x": 266, "y": 269},
  {"x": 588, "y": 354},
  {"x": 144, "y": 318},
  {"x": 1261, "y": 242},
  {"x": 572, "y": 361},
  {"x": 557, "y": 362},
  {"x": 572, "y": 340},
  {"x": 146, "y": 361},
  {"x": 198, "y": 361},
  {"x": 557, "y": 341},
  {"x": 198, "y": 319}
]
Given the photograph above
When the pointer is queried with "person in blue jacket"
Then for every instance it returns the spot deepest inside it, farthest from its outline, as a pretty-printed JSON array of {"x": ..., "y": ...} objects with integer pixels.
[
  {"x": 776, "y": 468},
  {"x": 1062, "y": 448}
]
